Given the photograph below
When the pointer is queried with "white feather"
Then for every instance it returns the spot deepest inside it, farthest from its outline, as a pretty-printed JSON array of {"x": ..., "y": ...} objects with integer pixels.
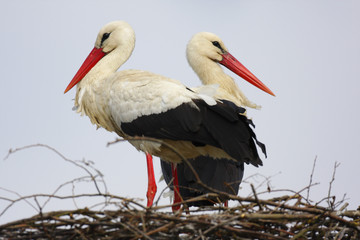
[
  {"x": 136, "y": 93},
  {"x": 207, "y": 93}
]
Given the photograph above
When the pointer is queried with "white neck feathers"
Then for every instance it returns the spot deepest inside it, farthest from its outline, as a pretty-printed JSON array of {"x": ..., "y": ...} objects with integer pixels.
[
  {"x": 210, "y": 72},
  {"x": 91, "y": 99}
]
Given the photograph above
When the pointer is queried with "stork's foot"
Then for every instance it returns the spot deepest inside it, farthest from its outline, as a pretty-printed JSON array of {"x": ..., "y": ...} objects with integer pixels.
[
  {"x": 177, "y": 197},
  {"x": 152, "y": 188}
]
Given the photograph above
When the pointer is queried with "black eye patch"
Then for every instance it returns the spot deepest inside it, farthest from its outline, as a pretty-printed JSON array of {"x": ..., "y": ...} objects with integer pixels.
[
  {"x": 217, "y": 44},
  {"x": 104, "y": 37}
]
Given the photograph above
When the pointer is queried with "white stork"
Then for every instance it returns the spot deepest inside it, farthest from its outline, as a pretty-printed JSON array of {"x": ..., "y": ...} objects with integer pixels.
[
  {"x": 140, "y": 103},
  {"x": 204, "y": 53}
]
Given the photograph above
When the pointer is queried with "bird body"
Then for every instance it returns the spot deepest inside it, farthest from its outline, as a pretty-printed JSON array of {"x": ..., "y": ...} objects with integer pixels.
[{"x": 205, "y": 52}]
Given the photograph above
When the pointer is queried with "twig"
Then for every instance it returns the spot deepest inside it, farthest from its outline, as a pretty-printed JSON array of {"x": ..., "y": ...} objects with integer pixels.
[
  {"x": 17, "y": 194},
  {"x": 256, "y": 198},
  {"x": 311, "y": 179},
  {"x": 331, "y": 204}
]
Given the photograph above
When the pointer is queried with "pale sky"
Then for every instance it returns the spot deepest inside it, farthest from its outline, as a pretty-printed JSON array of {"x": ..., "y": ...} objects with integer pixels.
[{"x": 306, "y": 52}]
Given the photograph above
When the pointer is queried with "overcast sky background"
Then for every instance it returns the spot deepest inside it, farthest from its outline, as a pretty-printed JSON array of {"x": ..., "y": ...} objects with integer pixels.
[{"x": 306, "y": 52}]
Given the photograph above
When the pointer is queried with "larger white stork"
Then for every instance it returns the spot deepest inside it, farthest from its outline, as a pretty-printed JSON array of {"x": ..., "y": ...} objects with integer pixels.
[
  {"x": 205, "y": 51},
  {"x": 140, "y": 103}
]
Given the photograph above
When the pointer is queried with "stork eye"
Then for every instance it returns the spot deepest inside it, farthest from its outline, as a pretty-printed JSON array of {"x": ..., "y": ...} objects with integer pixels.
[
  {"x": 104, "y": 37},
  {"x": 217, "y": 44}
]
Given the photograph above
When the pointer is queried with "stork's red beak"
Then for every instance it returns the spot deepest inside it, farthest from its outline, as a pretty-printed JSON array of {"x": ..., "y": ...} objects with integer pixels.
[
  {"x": 235, "y": 66},
  {"x": 95, "y": 55}
]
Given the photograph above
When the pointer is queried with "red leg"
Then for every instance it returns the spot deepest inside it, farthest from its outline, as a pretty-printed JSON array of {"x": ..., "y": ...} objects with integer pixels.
[
  {"x": 226, "y": 203},
  {"x": 151, "y": 180},
  {"x": 177, "y": 197}
]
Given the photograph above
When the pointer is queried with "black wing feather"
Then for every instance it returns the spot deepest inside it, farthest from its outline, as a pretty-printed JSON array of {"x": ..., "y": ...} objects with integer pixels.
[{"x": 219, "y": 125}]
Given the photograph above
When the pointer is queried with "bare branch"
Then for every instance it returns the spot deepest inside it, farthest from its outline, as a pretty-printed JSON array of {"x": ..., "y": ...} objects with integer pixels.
[
  {"x": 311, "y": 179},
  {"x": 329, "y": 198}
]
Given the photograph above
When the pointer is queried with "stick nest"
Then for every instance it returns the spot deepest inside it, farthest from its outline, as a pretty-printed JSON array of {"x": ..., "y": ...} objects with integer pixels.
[
  {"x": 252, "y": 219},
  {"x": 290, "y": 216}
]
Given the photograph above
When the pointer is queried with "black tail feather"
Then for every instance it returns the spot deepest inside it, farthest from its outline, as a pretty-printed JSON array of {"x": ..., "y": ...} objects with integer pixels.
[{"x": 223, "y": 175}]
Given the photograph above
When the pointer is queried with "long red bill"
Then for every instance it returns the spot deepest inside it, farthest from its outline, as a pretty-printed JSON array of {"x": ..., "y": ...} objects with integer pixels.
[
  {"x": 95, "y": 55},
  {"x": 235, "y": 66}
]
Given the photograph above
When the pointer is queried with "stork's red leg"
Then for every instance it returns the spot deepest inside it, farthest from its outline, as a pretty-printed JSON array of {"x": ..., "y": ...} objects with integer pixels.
[
  {"x": 177, "y": 198},
  {"x": 226, "y": 203},
  {"x": 151, "y": 180}
]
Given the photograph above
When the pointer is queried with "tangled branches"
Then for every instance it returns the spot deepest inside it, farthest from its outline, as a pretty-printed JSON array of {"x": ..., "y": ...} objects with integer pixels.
[
  {"x": 277, "y": 220},
  {"x": 289, "y": 215}
]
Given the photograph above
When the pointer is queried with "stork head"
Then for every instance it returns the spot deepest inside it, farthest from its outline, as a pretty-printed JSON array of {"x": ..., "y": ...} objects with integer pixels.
[
  {"x": 114, "y": 35},
  {"x": 205, "y": 46}
]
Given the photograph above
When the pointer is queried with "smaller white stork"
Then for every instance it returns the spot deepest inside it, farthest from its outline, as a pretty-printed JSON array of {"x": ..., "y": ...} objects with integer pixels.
[
  {"x": 205, "y": 51},
  {"x": 139, "y": 103}
]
